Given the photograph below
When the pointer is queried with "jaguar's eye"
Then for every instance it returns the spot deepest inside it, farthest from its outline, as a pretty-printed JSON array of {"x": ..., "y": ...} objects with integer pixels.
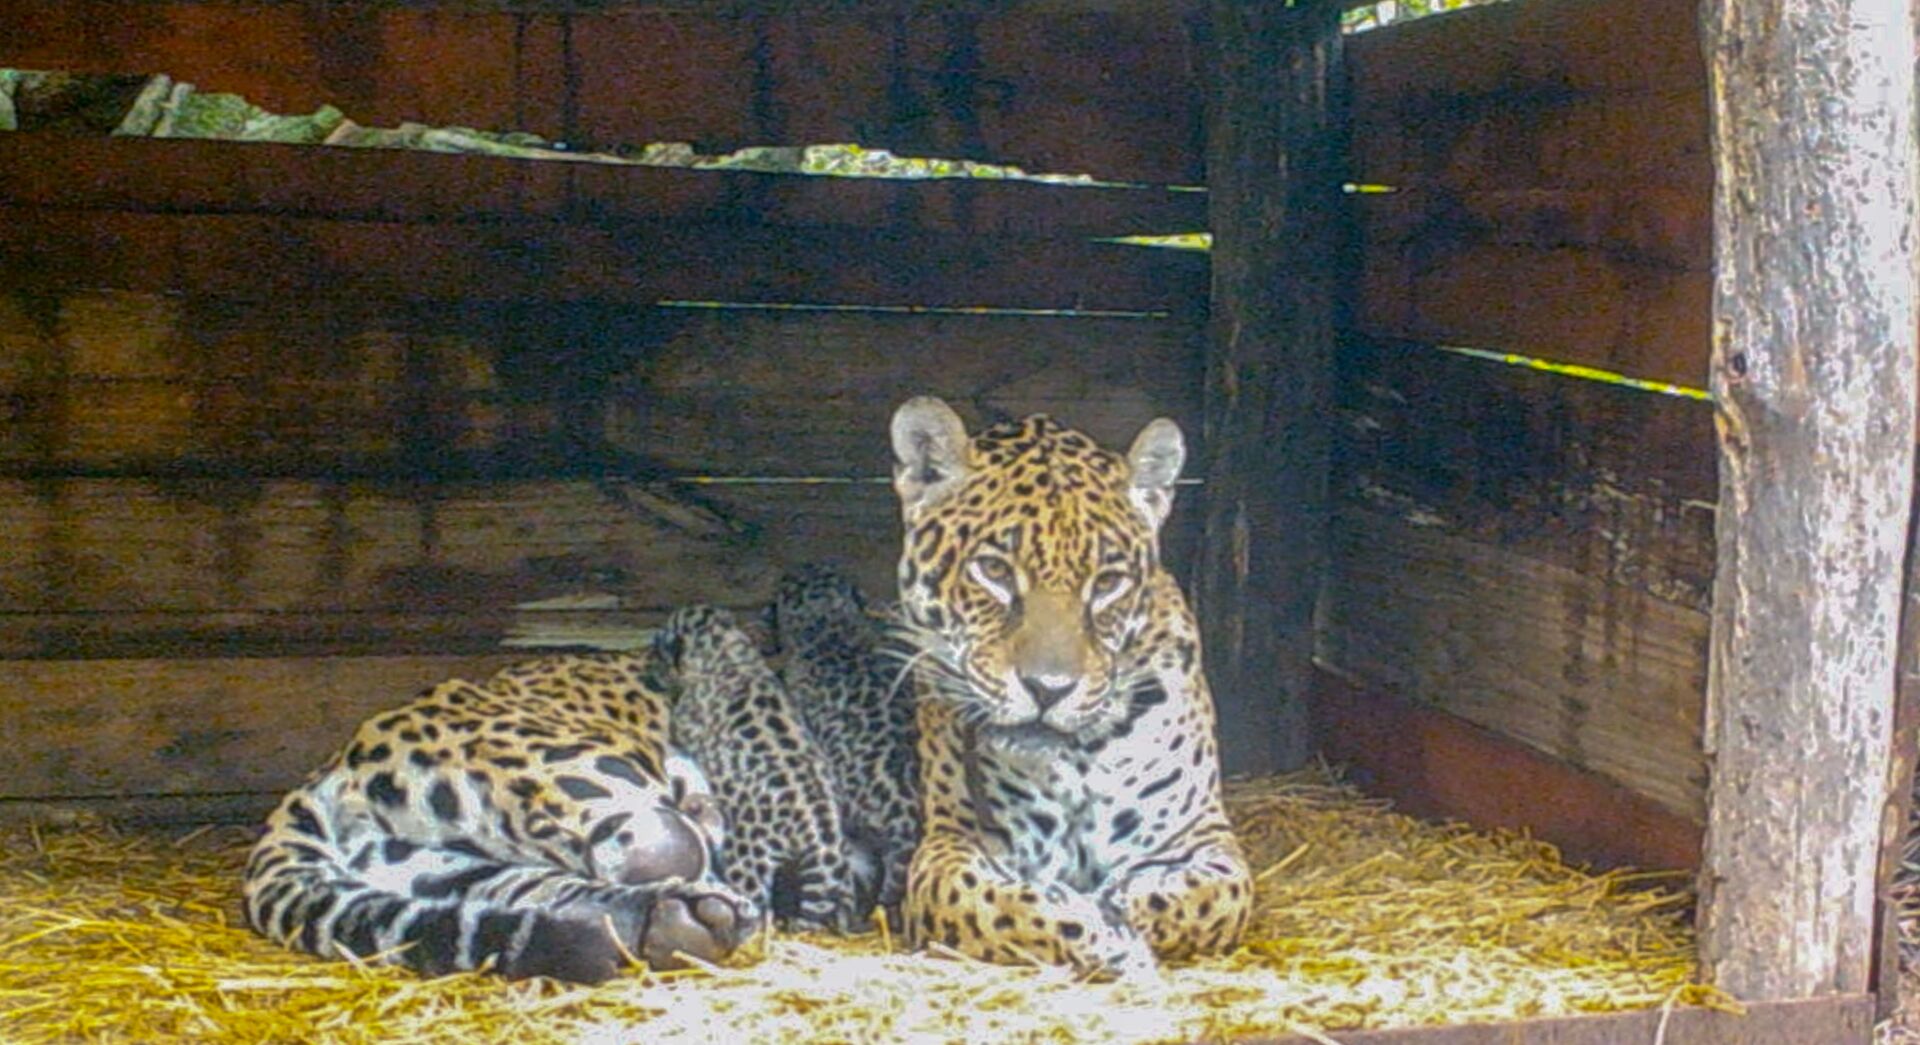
[
  {"x": 1107, "y": 587},
  {"x": 993, "y": 574}
]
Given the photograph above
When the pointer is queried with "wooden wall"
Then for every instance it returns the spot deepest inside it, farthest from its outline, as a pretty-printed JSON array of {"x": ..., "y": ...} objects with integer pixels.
[
  {"x": 1102, "y": 87},
  {"x": 286, "y": 432},
  {"x": 290, "y": 431},
  {"x": 1529, "y": 551}
]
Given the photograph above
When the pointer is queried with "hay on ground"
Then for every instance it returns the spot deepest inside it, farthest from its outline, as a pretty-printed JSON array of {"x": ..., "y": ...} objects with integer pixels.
[{"x": 1366, "y": 919}]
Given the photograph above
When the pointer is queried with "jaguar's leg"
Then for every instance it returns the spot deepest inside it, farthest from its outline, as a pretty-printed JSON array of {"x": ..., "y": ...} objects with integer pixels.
[
  {"x": 1193, "y": 905},
  {"x": 960, "y": 898}
]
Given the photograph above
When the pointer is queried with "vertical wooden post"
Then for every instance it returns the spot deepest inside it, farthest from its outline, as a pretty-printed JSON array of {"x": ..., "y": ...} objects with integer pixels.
[
  {"x": 1813, "y": 375},
  {"x": 1274, "y": 162}
]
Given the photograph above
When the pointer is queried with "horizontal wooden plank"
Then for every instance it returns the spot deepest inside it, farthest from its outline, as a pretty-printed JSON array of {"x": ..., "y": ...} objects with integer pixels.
[
  {"x": 1660, "y": 227},
  {"x": 1838, "y": 1019},
  {"x": 301, "y": 546},
  {"x": 221, "y": 255},
  {"x": 1610, "y": 482},
  {"x": 1597, "y": 675},
  {"x": 1434, "y": 764},
  {"x": 182, "y": 812},
  {"x": 1565, "y": 45},
  {"x": 476, "y": 628},
  {"x": 130, "y": 383},
  {"x": 1568, "y": 304},
  {"x": 98, "y": 567},
  {"x": 719, "y": 388},
  {"x": 142, "y": 174},
  {"x": 1551, "y": 139},
  {"x": 166, "y": 726},
  {"x": 1111, "y": 90}
]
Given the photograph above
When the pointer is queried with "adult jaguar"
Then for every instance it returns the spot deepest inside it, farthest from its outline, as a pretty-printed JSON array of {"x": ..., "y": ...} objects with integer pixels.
[
  {"x": 538, "y": 823},
  {"x": 1070, "y": 778}
]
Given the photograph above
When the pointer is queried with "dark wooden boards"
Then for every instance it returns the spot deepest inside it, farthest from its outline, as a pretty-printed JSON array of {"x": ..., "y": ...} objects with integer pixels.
[
  {"x": 180, "y": 726},
  {"x": 1529, "y": 551},
  {"x": 1553, "y": 159},
  {"x": 264, "y": 257},
  {"x": 1595, "y": 674},
  {"x": 1608, "y": 481},
  {"x": 795, "y": 393},
  {"x": 1656, "y": 226},
  {"x": 1564, "y": 304},
  {"x": 241, "y": 554},
  {"x": 188, "y": 176},
  {"x": 140, "y": 383},
  {"x": 1586, "y": 46},
  {"x": 145, "y": 567},
  {"x": 1110, "y": 90}
]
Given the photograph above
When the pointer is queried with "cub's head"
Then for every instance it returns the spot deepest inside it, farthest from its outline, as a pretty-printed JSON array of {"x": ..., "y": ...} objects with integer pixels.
[
  {"x": 697, "y": 641},
  {"x": 1025, "y": 571},
  {"x": 812, "y": 603}
]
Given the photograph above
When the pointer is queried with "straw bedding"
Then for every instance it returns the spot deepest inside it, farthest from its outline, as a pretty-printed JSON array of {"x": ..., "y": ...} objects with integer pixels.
[{"x": 1367, "y": 918}]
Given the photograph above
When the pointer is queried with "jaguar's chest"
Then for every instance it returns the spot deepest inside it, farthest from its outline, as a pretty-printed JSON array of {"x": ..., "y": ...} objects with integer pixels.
[{"x": 1057, "y": 812}]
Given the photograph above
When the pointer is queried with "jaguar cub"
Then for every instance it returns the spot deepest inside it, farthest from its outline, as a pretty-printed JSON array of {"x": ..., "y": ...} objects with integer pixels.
[
  {"x": 849, "y": 680},
  {"x": 786, "y": 849},
  {"x": 538, "y": 824}
]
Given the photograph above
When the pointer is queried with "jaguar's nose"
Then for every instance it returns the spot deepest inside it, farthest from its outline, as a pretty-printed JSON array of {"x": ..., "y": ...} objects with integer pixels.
[{"x": 1048, "y": 690}]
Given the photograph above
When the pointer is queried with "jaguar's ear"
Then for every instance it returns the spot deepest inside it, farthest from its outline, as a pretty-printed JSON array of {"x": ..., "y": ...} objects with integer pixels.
[
  {"x": 929, "y": 453},
  {"x": 1155, "y": 459}
]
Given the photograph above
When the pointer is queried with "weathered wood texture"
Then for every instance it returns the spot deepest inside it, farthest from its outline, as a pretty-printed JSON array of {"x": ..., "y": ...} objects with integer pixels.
[
  {"x": 633, "y": 263},
  {"x": 1106, "y": 89},
  {"x": 161, "y": 727},
  {"x": 1552, "y": 162},
  {"x": 187, "y": 176},
  {"x": 1507, "y": 548},
  {"x": 1434, "y": 763},
  {"x": 1610, "y": 482},
  {"x": 343, "y": 564},
  {"x": 142, "y": 384},
  {"x": 276, "y": 402},
  {"x": 1596, "y": 674},
  {"x": 206, "y": 476},
  {"x": 1527, "y": 550},
  {"x": 1273, "y": 173},
  {"x": 1813, "y": 374},
  {"x": 150, "y": 567},
  {"x": 1844, "y": 1019}
]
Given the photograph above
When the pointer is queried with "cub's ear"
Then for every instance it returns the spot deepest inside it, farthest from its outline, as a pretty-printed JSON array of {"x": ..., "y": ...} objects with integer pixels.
[
  {"x": 929, "y": 453},
  {"x": 1155, "y": 459}
]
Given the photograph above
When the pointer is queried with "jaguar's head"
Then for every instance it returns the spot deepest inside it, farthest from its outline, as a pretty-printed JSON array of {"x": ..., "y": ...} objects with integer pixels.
[{"x": 1027, "y": 567}]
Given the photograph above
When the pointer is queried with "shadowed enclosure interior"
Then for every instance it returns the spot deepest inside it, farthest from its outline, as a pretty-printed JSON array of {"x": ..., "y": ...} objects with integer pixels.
[{"x": 293, "y": 431}]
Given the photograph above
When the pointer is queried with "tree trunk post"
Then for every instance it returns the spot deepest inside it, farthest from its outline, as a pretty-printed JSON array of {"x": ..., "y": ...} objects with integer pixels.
[
  {"x": 1813, "y": 372},
  {"x": 1274, "y": 158}
]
